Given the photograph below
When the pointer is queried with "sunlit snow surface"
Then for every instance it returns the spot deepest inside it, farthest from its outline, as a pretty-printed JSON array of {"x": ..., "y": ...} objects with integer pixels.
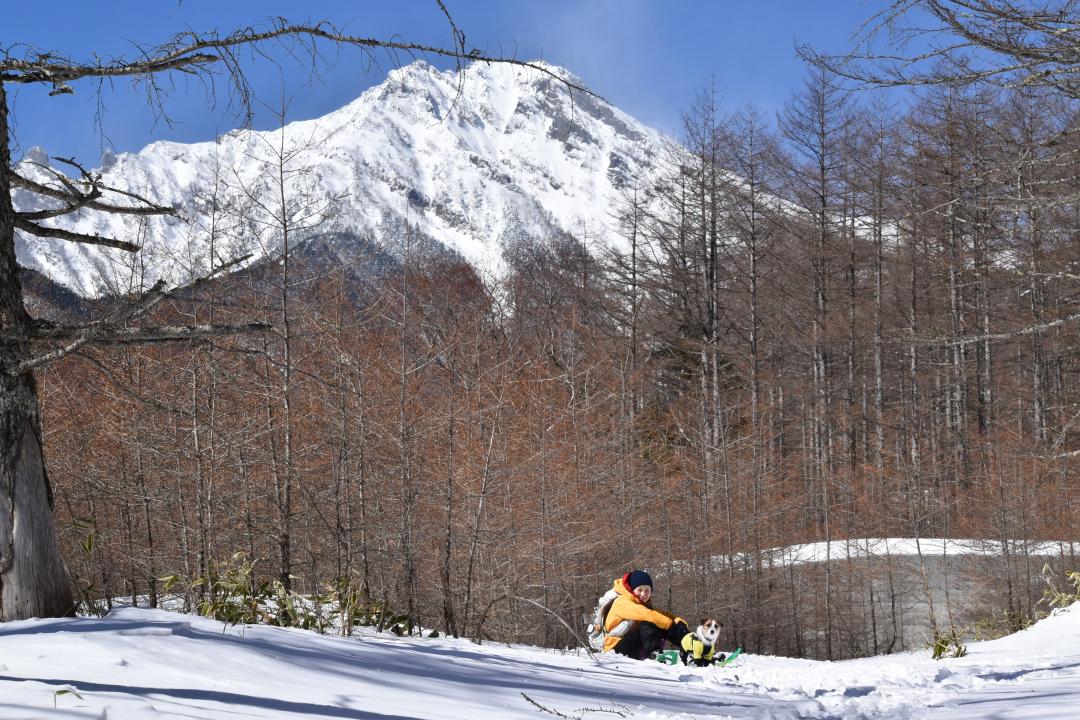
[
  {"x": 911, "y": 547},
  {"x": 139, "y": 663}
]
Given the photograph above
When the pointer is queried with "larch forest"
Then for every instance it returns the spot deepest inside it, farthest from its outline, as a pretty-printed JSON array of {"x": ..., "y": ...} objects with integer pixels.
[{"x": 856, "y": 321}]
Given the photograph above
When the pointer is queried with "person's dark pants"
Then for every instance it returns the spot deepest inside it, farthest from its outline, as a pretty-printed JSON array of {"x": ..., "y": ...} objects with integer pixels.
[{"x": 645, "y": 638}]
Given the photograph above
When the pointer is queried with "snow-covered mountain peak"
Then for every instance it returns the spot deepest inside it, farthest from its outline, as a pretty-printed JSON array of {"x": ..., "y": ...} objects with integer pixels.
[
  {"x": 36, "y": 155},
  {"x": 476, "y": 161}
]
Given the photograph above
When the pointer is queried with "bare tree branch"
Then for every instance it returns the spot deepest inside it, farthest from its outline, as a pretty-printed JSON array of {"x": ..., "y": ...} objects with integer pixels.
[
  {"x": 1029, "y": 330},
  {"x": 114, "y": 336},
  {"x": 191, "y": 51},
  {"x": 40, "y": 231},
  {"x": 108, "y": 330},
  {"x": 164, "y": 333},
  {"x": 1001, "y": 42},
  {"x": 79, "y": 200}
]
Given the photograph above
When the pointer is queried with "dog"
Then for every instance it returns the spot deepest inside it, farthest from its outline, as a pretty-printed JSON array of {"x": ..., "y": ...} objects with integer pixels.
[{"x": 707, "y": 633}]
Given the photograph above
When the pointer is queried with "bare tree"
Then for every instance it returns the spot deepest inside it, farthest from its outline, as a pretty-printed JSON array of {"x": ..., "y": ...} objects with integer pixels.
[
  {"x": 943, "y": 42},
  {"x": 815, "y": 124}
]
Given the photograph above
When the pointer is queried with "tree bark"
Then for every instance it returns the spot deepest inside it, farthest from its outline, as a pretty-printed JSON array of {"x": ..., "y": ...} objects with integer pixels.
[{"x": 33, "y": 579}]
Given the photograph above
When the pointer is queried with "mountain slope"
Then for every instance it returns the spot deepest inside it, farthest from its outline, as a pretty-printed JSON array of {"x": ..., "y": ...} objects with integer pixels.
[{"x": 474, "y": 162}]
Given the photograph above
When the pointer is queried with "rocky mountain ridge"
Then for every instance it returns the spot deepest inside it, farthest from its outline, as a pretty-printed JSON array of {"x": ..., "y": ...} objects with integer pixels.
[{"x": 472, "y": 162}]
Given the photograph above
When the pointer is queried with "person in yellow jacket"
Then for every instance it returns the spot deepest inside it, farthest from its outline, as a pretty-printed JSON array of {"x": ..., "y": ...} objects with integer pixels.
[{"x": 632, "y": 627}]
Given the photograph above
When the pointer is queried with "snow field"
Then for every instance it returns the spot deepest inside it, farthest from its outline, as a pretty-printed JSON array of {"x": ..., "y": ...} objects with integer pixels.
[{"x": 150, "y": 664}]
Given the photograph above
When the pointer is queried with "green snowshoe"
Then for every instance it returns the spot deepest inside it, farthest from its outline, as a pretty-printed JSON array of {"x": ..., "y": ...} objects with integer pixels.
[
  {"x": 727, "y": 661},
  {"x": 668, "y": 657}
]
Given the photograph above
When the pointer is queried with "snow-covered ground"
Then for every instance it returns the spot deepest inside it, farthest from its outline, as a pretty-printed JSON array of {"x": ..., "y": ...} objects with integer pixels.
[
  {"x": 912, "y": 547},
  {"x": 883, "y": 548},
  {"x": 141, "y": 664}
]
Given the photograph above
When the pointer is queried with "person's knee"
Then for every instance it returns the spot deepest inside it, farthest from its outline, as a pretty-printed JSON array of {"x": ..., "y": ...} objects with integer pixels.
[{"x": 649, "y": 632}]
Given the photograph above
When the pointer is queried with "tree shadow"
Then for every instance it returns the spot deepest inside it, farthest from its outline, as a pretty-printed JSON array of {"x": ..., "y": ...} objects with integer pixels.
[
  {"x": 214, "y": 696},
  {"x": 1017, "y": 674}
]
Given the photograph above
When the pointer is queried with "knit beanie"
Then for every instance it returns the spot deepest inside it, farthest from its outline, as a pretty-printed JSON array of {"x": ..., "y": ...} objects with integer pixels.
[{"x": 636, "y": 578}]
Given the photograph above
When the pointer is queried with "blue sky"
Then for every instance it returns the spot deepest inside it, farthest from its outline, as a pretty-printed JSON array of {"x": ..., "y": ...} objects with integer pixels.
[{"x": 649, "y": 57}]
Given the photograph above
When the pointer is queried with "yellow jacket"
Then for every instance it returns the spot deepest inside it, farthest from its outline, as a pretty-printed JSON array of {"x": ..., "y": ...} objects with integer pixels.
[
  {"x": 701, "y": 653},
  {"x": 628, "y": 608}
]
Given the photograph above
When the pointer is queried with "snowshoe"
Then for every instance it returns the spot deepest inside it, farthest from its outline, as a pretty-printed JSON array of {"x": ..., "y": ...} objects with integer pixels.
[
  {"x": 668, "y": 657},
  {"x": 727, "y": 660}
]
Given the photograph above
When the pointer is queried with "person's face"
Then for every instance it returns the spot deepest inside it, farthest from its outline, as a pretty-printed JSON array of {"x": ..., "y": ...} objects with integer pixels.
[{"x": 643, "y": 593}]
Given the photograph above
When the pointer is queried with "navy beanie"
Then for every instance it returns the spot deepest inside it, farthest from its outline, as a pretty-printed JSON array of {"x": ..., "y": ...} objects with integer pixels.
[{"x": 637, "y": 578}]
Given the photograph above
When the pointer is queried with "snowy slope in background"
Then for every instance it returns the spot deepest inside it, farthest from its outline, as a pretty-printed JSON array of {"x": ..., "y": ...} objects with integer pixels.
[
  {"x": 151, "y": 664},
  {"x": 497, "y": 155},
  {"x": 880, "y": 548}
]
